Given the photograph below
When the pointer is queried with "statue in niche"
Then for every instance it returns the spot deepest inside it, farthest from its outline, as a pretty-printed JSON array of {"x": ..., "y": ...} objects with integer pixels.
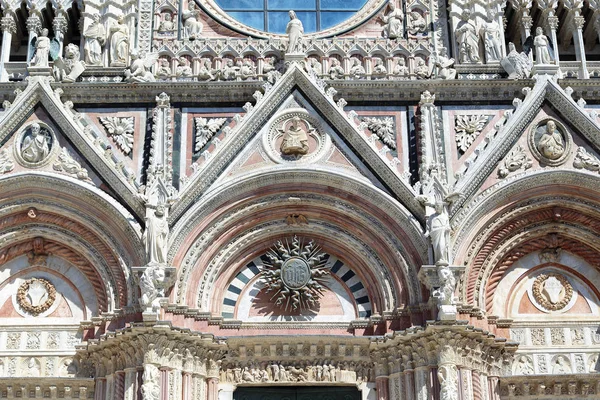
[
  {"x": 95, "y": 37},
  {"x": 312, "y": 64},
  {"x": 543, "y": 48},
  {"x": 422, "y": 69},
  {"x": 379, "y": 68},
  {"x": 336, "y": 71},
  {"x": 294, "y": 30},
  {"x": 551, "y": 143},
  {"x": 393, "y": 22},
  {"x": 33, "y": 368},
  {"x": 156, "y": 235},
  {"x": 438, "y": 231},
  {"x": 230, "y": 71},
  {"x": 164, "y": 69},
  {"x": 561, "y": 365},
  {"x": 415, "y": 22},
  {"x": 442, "y": 66},
  {"x": 357, "y": 71},
  {"x": 468, "y": 39},
  {"x": 401, "y": 70},
  {"x": 247, "y": 69},
  {"x": 207, "y": 73},
  {"x": 119, "y": 43},
  {"x": 139, "y": 69},
  {"x": 153, "y": 283},
  {"x": 192, "y": 27},
  {"x": 491, "y": 38},
  {"x": 69, "y": 68},
  {"x": 270, "y": 69},
  {"x": 36, "y": 144},
  {"x": 166, "y": 23},
  {"x": 183, "y": 68},
  {"x": 295, "y": 139},
  {"x": 42, "y": 50}
]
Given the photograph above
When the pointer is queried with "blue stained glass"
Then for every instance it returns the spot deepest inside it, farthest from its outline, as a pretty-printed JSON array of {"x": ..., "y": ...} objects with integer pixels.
[
  {"x": 354, "y": 5},
  {"x": 279, "y": 20},
  {"x": 253, "y": 19},
  {"x": 329, "y": 19},
  {"x": 292, "y": 5},
  {"x": 241, "y": 4}
]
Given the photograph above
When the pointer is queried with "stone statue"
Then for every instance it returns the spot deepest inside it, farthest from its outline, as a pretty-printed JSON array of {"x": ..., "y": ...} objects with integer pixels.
[
  {"x": 119, "y": 43},
  {"x": 35, "y": 147},
  {"x": 153, "y": 283},
  {"x": 294, "y": 30},
  {"x": 445, "y": 293},
  {"x": 183, "y": 68},
  {"x": 192, "y": 27},
  {"x": 422, "y": 69},
  {"x": 42, "y": 50},
  {"x": 336, "y": 71},
  {"x": 551, "y": 144},
  {"x": 401, "y": 70},
  {"x": 166, "y": 24},
  {"x": 438, "y": 230},
  {"x": 206, "y": 72},
  {"x": 156, "y": 236},
  {"x": 491, "y": 39},
  {"x": 448, "y": 378},
  {"x": 270, "y": 70},
  {"x": 393, "y": 20},
  {"x": 95, "y": 37},
  {"x": 69, "y": 68},
  {"x": 150, "y": 386},
  {"x": 230, "y": 71},
  {"x": 312, "y": 64},
  {"x": 379, "y": 68},
  {"x": 442, "y": 67},
  {"x": 415, "y": 23},
  {"x": 357, "y": 71},
  {"x": 139, "y": 69},
  {"x": 542, "y": 47},
  {"x": 468, "y": 39},
  {"x": 518, "y": 65},
  {"x": 248, "y": 69},
  {"x": 295, "y": 139},
  {"x": 164, "y": 69}
]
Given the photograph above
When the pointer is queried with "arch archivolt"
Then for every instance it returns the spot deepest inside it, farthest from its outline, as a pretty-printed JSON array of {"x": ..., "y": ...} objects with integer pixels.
[{"x": 215, "y": 242}]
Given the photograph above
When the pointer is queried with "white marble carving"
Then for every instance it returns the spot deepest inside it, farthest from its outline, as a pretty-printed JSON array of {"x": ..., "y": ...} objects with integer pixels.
[
  {"x": 95, "y": 38},
  {"x": 69, "y": 68},
  {"x": 295, "y": 31},
  {"x": 586, "y": 160},
  {"x": 394, "y": 22},
  {"x": 468, "y": 39},
  {"x": 515, "y": 160},
  {"x": 383, "y": 128},
  {"x": 192, "y": 27},
  {"x": 467, "y": 128},
  {"x": 66, "y": 163},
  {"x": 121, "y": 129},
  {"x": 206, "y": 129},
  {"x": 139, "y": 69},
  {"x": 42, "y": 50},
  {"x": 119, "y": 43}
]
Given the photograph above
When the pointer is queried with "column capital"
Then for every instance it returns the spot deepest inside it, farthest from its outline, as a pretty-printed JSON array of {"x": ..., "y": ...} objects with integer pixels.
[
  {"x": 8, "y": 24},
  {"x": 34, "y": 24}
]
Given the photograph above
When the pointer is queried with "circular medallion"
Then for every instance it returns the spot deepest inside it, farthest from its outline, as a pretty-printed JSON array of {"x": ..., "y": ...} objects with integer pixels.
[
  {"x": 36, "y": 296},
  {"x": 35, "y": 145},
  {"x": 295, "y": 273},
  {"x": 552, "y": 291},
  {"x": 550, "y": 142}
]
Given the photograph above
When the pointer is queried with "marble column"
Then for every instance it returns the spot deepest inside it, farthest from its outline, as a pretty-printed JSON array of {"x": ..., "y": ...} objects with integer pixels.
[
  {"x": 60, "y": 25},
  {"x": 409, "y": 384},
  {"x": 382, "y": 383},
  {"x": 578, "y": 23},
  {"x": 100, "y": 390},
  {"x": 9, "y": 28},
  {"x": 34, "y": 27},
  {"x": 212, "y": 389},
  {"x": 119, "y": 392},
  {"x": 130, "y": 384},
  {"x": 187, "y": 386}
]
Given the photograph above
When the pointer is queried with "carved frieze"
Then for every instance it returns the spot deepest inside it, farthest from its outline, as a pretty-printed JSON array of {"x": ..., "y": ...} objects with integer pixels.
[
  {"x": 67, "y": 164},
  {"x": 586, "y": 160}
]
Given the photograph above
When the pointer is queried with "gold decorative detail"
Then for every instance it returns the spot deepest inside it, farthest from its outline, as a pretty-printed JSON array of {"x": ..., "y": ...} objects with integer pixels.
[
  {"x": 552, "y": 298},
  {"x": 296, "y": 219},
  {"x": 36, "y": 295}
]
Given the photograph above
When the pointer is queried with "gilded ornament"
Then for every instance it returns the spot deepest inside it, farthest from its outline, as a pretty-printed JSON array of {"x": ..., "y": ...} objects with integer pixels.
[
  {"x": 35, "y": 296},
  {"x": 552, "y": 291}
]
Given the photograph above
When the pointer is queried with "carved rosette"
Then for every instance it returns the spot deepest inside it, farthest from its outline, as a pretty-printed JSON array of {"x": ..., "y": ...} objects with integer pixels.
[
  {"x": 552, "y": 291},
  {"x": 36, "y": 295},
  {"x": 295, "y": 273}
]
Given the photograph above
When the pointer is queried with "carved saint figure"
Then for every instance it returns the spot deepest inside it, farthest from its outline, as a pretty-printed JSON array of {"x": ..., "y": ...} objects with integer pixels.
[
  {"x": 206, "y": 72},
  {"x": 35, "y": 147},
  {"x": 468, "y": 39},
  {"x": 42, "y": 50},
  {"x": 551, "y": 144},
  {"x": 95, "y": 37},
  {"x": 422, "y": 69},
  {"x": 561, "y": 365},
  {"x": 166, "y": 25},
  {"x": 401, "y": 70},
  {"x": 230, "y": 71},
  {"x": 150, "y": 385},
  {"x": 379, "y": 68},
  {"x": 183, "y": 68},
  {"x": 294, "y": 30},
  {"x": 415, "y": 22},
  {"x": 247, "y": 69},
  {"x": 357, "y": 70},
  {"x": 442, "y": 67},
  {"x": 542, "y": 47},
  {"x": 393, "y": 22},
  {"x": 164, "y": 68},
  {"x": 438, "y": 230},
  {"x": 491, "y": 39},
  {"x": 336, "y": 71},
  {"x": 119, "y": 43},
  {"x": 524, "y": 366},
  {"x": 192, "y": 27},
  {"x": 156, "y": 235},
  {"x": 295, "y": 139},
  {"x": 312, "y": 64},
  {"x": 69, "y": 68}
]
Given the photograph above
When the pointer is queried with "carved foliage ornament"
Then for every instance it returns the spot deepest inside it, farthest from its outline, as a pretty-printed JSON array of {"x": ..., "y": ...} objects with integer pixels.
[
  {"x": 66, "y": 163},
  {"x": 206, "y": 129},
  {"x": 295, "y": 274},
  {"x": 384, "y": 129},
  {"x": 36, "y": 296},
  {"x": 515, "y": 160},
  {"x": 121, "y": 129},
  {"x": 467, "y": 128},
  {"x": 552, "y": 291}
]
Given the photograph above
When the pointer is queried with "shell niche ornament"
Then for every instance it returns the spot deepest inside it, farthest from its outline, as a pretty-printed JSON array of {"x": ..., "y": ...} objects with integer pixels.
[
  {"x": 35, "y": 296},
  {"x": 552, "y": 291},
  {"x": 295, "y": 274}
]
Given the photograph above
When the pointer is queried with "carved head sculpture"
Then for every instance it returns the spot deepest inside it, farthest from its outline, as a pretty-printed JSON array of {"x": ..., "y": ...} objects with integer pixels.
[
  {"x": 35, "y": 129},
  {"x": 466, "y": 15},
  {"x": 292, "y": 14},
  {"x": 160, "y": 211},
  {"x": 439, "y": 207},
  {"x": 44, "y": 32},
  {"x": 72, "y": 52},
  {"x": 539, "y": 31},
  {"x": 96, "y": 17},
  {"x": 168, "y": 17},
  {"x": 511, "y": 47}
]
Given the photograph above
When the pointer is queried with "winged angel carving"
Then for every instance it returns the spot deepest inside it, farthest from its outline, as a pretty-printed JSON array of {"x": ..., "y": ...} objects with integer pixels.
[
  {"x": 206, "y": 129},
  {"x": 121, "y": 129},
  {"x": 139, "y": 69}
]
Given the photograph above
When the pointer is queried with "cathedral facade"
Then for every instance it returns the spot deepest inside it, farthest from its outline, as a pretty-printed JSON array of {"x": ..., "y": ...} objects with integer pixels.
[{"x": 266, "y": 199}]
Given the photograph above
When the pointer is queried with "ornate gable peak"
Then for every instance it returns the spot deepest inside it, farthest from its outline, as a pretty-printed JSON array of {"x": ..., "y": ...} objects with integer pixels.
[
  {"x": 545, "y": 89},
  {"x": 322, "y": 97},
  {"x": 70, "y": 123}
]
